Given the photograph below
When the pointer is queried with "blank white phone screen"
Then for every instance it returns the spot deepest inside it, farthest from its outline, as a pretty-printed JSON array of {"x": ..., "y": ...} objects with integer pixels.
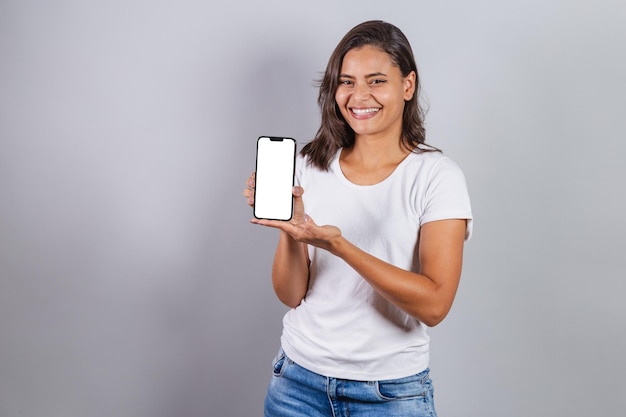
[{"x": 275, "y": 166}]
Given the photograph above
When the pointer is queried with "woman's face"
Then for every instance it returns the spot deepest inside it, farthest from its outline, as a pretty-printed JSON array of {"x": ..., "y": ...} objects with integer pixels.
[{"x": 372, "y": 92}]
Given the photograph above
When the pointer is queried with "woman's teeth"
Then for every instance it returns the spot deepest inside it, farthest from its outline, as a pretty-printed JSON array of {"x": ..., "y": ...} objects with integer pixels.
[{"x": 365, "y": 111}]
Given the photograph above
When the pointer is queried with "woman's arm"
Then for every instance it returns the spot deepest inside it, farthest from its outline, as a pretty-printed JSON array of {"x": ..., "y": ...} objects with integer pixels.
[
  {"x": 290, "y": 269},
  {"x": 427, "y": 295}
]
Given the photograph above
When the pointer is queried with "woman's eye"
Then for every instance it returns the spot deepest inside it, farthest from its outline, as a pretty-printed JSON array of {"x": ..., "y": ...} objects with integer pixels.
[
  {"x": 378, "y": 81},
  {"x": 345, "y": 82}
]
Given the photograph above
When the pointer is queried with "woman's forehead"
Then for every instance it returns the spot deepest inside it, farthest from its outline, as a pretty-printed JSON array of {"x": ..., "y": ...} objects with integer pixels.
[{"x": 365, "y": 59}]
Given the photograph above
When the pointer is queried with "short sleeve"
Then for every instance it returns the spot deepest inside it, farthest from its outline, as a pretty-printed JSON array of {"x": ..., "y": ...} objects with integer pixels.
[
  {"x": 446, "y": 195},
  {"x": 300, "y": 165}
]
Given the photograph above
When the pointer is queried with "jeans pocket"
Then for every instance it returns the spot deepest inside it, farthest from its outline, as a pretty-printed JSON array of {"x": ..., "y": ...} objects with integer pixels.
[
  {"x": 279, "y": 363},
  {"x": 414, "y": 386}
]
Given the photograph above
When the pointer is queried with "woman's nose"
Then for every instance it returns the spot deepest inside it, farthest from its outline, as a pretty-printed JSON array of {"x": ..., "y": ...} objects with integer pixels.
[{"x": 361, "y": 91}]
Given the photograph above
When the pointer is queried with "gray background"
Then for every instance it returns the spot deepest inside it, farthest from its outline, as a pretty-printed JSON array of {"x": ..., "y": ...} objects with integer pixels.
[{"x": 132, "y": 284}]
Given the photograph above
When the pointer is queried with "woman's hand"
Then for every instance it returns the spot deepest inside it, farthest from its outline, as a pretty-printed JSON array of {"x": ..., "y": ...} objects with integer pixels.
[
  {"x": 301, "y": 227},
  {"x": 290, "y": 269},
  {"x": 248, "y": 192}
]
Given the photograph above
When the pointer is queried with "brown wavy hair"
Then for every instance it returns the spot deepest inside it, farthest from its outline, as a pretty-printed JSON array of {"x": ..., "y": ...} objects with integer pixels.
[{"x": 334, "y": 131}]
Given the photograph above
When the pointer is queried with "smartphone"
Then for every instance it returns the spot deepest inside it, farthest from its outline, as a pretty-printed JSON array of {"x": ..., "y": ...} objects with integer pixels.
[{"x": 275, "y": 169}]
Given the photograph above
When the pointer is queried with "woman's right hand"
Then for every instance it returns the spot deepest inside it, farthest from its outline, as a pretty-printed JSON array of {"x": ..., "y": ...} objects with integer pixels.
[
  {"x": 248, "y": 192},
  {"x": 290, "y": 270}
]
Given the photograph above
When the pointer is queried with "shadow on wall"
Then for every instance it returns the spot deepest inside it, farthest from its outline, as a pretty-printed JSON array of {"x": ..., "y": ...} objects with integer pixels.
[{"x": 234, "y": 323}]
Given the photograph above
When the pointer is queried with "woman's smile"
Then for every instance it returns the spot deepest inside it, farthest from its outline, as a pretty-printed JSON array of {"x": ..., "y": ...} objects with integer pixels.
[{"x": 364, "y": 113}]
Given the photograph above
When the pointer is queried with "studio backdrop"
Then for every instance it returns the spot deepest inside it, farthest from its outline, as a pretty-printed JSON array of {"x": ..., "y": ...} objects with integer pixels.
[{"x": 131, "y": 281}]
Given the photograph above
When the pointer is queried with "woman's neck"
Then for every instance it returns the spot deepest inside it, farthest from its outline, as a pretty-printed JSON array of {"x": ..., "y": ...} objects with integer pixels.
[
  {"x": 369, "y": 161},
  {"x": 375, "y": 151}
]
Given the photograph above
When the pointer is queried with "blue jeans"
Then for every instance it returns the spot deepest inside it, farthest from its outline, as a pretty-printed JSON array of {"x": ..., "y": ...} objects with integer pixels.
[{"x": 295, "y": 391}]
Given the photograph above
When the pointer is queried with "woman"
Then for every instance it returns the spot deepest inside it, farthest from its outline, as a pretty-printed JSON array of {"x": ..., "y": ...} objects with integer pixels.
[{"x": 374, "y": 250}]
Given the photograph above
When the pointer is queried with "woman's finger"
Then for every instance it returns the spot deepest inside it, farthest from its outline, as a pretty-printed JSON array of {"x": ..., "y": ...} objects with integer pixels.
[
  {"x": 248, "y": 192},
  {"x": 298, "y": 205}
]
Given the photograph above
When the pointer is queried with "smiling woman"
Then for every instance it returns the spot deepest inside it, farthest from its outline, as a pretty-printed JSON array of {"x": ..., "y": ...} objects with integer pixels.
[
  {"x": 371, "y": 97},
  {"x": 385, "y": 262},
  {"x": 335, "y": 131},
  {"x": 371, "y": 93}
]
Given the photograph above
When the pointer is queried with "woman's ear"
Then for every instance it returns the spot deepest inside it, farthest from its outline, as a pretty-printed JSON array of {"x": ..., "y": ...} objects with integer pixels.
[{"x": 409, "y": 86}]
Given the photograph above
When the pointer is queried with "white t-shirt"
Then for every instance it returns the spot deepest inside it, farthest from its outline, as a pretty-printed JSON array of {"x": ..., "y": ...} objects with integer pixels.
[{"x": 343, "y": 328}]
